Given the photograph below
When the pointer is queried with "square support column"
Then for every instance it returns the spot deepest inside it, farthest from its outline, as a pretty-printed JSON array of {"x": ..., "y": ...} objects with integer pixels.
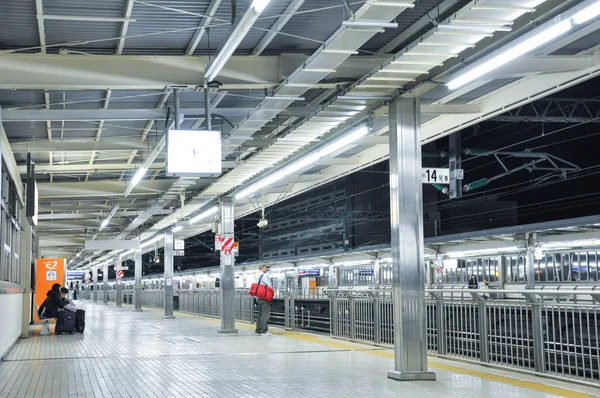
[
  {"x": 530, "y": 261},
  {"x": 408, "y": 267},
  {"x": 95, "y": 277},
  {"x": 137, "y": 298},
  {"x": 168, "y": 275},
  {"x": 227, "y": 263},
  {"x": 105, "y": 284},
  {"x": 25, "y": 257},
  {"x": 119, "y": 289}
]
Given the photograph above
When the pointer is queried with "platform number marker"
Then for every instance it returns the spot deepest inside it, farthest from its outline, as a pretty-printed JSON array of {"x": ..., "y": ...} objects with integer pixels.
[{"x": 435, "y": 176}]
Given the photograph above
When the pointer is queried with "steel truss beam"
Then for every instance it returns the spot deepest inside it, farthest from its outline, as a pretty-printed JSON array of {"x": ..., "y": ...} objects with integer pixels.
[
  {"x": 555, "y": 110},
  {"x": 332, "y": 215}
]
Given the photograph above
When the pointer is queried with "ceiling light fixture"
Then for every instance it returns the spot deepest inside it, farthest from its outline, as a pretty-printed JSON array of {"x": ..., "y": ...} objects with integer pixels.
[
  {"x": 305, "y": 161},
  {"x": 204, "y": 215},
  {"x": 235, "y": 38},
  {"x": 512, "y": 53},
  {"x": 587, "y": 13},
  {"x": 482, "y": 252},
  {"x": 107, "y": 219},
  {"x": 151, "y": 241}
]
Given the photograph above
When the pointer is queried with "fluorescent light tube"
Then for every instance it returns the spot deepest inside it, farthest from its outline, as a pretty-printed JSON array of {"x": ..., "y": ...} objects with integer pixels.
[
  {"x": 370, "y": 24},
  {"x": 303, "y": 162},
  {"x": 177, "y": 228},
  {"x": 235, "y": 38},
  {"x": 587, "y": 13},
  {"x": 573, "y": 243},
  {"x": 503, "y": 58},
  {"x": 344, "y": 141},
  {"x": 137, "y": 177},
  {"x": 127, "y": 253},
  {"x": 151, "y": 241},
  {"x": 259, "y": 5},
  {"x": 482, "y": 252},
  {"x": 107, "y": 219},
  {"x": 204, "y": 214}
]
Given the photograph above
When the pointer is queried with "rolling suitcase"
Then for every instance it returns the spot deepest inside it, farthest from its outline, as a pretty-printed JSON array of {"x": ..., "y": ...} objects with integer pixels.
[
  {"x": 80, "y": 321},
  {"x": 65, "y": 322}
]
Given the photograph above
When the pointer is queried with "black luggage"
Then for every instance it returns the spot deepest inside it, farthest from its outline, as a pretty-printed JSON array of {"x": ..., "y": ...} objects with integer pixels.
[
  {"x": 65, "y": 322},
  {"x": 80, "y": 321}
]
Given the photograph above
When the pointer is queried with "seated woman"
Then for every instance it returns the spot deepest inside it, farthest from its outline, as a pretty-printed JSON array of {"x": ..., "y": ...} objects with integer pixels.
[
  {"x": 53, "y": 301},
  {"x": 64, "y": 297}
]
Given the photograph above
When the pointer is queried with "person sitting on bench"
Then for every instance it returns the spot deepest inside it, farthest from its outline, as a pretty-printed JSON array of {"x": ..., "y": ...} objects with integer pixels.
[
  {"x": 69, "y": 305},
  {"x": 53, "y": 301}
]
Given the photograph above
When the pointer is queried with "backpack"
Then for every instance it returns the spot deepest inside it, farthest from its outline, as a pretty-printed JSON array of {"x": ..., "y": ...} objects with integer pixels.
[{"x": 42, "y": 309}]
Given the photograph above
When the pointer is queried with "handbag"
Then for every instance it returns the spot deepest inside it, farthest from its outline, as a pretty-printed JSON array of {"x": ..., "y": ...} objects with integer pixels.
[{"x": 262, "y": 291}]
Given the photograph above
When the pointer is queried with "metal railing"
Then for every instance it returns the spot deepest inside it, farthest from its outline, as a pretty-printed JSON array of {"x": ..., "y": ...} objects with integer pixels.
[
  {"x": 547, "y": 331},
  {"x": 207, "y": 302}
]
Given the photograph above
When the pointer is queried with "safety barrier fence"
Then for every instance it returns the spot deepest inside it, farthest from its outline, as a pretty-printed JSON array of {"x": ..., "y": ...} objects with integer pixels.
[
  {"x": 550, "y": 332},
  {"x": 292, "y": 310}
]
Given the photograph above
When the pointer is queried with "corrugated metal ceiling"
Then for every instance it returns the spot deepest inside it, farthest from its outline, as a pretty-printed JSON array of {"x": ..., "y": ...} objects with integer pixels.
[{"x": 18, "y": 27}]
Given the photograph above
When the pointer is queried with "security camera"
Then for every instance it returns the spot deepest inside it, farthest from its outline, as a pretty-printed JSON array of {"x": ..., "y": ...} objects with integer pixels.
[{"x": 262, "y": 223}]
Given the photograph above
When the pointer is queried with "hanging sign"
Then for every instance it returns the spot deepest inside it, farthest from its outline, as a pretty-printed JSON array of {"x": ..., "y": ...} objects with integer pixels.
[{"x": 435, "y": 176}]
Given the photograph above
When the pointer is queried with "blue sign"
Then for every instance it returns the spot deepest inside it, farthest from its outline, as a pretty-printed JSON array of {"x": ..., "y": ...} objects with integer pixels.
[
  {"x": 309, "y": 272},
  {"x": 75, "y": 275}
]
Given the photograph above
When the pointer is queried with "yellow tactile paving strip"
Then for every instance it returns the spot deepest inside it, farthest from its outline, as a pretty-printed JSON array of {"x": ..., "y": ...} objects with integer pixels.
[{"x": 545, "y": 388}]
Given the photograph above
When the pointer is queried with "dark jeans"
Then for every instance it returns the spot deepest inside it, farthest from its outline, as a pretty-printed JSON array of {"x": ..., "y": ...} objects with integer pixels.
[{"x": 262, "y": 319}]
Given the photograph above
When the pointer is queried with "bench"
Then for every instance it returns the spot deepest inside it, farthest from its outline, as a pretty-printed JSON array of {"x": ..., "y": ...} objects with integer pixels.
[{"x": 45, "y": 325}]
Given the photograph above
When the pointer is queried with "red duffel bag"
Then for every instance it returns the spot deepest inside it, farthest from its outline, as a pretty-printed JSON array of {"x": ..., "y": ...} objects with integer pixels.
[{"x": 262, "y": 291}]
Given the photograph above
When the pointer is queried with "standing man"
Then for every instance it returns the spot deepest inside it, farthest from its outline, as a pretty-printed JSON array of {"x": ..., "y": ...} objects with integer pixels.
[
  {"x": 264, "y": 306},
  {"x": 473, "y": 283}
]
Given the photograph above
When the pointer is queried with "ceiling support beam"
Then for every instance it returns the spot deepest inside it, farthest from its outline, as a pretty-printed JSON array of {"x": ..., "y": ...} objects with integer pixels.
[
  {"x": 39, "y": 9},
  {"x": 101, "y": 72},
  {"x": 70, "y": 146},
  {"x": 277, "y": 26},
  {"x": 42, "y": 115},
  {"x": 426, "y": 20},
  {"x": 98, "y": 190},
  {"x": 152, "y": 114},
  {"x": 99, "y": 131},
  {"x": 210, "y": 12},
  {"x": 86, "y": 167},
  {"x": 125, "y": 27}
]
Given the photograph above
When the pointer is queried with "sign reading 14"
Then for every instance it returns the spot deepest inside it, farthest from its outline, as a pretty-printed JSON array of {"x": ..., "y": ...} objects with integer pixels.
[{"x": 435, "y": 176}]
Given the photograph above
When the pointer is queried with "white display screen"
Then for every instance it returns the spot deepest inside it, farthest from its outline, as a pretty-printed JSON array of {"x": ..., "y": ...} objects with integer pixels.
[{"x": 194, "y": 152}]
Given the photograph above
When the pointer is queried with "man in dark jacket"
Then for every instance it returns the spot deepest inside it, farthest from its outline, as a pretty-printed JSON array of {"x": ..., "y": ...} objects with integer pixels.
[
  {"x": 473, "y": 284},
  {"x": 53, "y": 301}
]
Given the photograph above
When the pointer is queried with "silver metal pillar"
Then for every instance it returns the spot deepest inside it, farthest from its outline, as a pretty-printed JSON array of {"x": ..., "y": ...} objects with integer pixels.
[
  {"x": 227, "y": 261},
  {"x": 105, "y": 284},
  {"x": 377, "y": 271},
  {"x": 25, "y": 262},
  {"x": 530, "y": 260},
  {"x": 119, "y": 290},
  {"x": 168, "y": 254},
  {"x": 333, "y": 275},
  {"x": 504, "y": 263},
  {"x": 455, "y": 162},
  {"x": 207, "y": 109},
  {"x": 95, "y": 277},
  {"x": 137, "y": 298},
  {"x": 177, "y": 102},
  {"x": 408, "y": 266}
]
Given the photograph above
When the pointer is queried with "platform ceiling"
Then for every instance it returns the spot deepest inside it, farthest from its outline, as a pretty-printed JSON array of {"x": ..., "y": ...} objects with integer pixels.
[{"x": 86, "y": 88}]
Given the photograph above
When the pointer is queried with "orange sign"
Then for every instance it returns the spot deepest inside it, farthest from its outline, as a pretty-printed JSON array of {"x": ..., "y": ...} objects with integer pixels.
[{"x": 48, "y": 272}]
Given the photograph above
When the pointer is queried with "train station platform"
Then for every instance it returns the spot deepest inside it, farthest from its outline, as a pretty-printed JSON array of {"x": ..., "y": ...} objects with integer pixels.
[{"x": 129, "y": 354}]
